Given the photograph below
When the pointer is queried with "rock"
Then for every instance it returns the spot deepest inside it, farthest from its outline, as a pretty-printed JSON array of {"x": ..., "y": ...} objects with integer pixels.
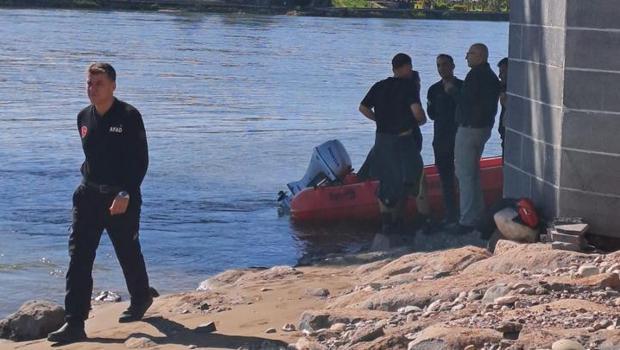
[
  {"x": 108, "y": 297},
  {"x": 409, "y": 309},
  {"x": 206, "y": 328},
  {"x": 338, "y": 327},
  {"x": 221, "y": 280},
  {"x": 289, "y": 327},
  {"x": 368, "y": 333},
  {"x": 470, "y": 347},
  {"x": 495, "y": 292},
  {"x": 34, "y": 320},
  {"x": 614, "y": 267},
  {"x": 434, "y": 306},
  {"x": 204, "y": 306},
  {"x": 588, "y": 270},
  {"x": 270, "y": 330},
  {"x": 473, "y": 295},
  {"x": 510, "y": 327},
  {"x": 458, "y": 307},
  {"x": 139, "y": 343},
  {"x": 314, "y": 320},
  {"x": 305, "y": 344},
  {"x": 566, "y": 344},
  {"x": 318, "y": 292},
  {"x": 506, "y": 300},
  {"x": 513, "y": 230}
]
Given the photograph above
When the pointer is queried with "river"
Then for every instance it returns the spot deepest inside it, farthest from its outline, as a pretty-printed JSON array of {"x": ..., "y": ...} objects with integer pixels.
[{"x": 233, "y": 105}]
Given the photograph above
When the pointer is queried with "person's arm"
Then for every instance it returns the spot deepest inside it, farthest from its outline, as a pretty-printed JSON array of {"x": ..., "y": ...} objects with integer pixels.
[
  {"x": 136, "y": 163},
  {"x": 430, "y": 106},
  {"x": 418, "y": 113},
  {"x": 368, "y": 103},
  {"x": 137, "y": 159},
  {"x": 367, "y": 112},
  {"x": 415, "y": 104}
]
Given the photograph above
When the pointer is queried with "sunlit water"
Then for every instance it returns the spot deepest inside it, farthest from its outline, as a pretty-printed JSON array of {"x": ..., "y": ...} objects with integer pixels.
[{"x": 232, "y": 104}]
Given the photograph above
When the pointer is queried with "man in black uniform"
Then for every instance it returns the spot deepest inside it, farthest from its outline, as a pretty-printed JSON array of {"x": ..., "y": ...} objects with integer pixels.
[
  {"x": 394, "y": 105},
  {"x": 114, "y": 143},
  {"x": 442, "y": 99}
]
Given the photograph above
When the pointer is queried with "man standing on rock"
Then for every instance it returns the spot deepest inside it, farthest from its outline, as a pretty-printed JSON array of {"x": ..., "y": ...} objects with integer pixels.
[
  {"x": 442, "y": 99},
  {"x": 394, "y": 105},
  {"x": 475, "y": 115},
  {"x": 109, "y": 197}
]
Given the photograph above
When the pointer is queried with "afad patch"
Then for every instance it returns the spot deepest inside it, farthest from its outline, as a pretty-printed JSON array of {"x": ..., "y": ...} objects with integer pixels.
[{"x": 83, "y": 131}]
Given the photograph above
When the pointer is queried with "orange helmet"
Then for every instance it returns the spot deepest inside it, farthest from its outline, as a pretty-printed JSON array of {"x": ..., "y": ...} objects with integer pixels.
[{"x": 527, "y": 212}]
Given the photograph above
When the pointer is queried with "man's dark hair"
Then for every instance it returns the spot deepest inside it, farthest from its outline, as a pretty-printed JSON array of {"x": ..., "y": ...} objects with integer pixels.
[
  {"x": 400, "y": 60},
  {"x": 103, "y": 68},
  {"x": 503, "y": 61},
  {"x": 447, "y": 57}
]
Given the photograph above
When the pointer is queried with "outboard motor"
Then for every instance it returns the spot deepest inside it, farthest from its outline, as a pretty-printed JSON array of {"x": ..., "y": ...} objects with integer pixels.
[{"x": 330, "y": 162}]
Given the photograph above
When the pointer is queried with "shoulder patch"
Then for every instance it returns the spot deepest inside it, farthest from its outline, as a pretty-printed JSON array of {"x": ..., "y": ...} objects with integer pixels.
[{"x": 83, "y": 131}]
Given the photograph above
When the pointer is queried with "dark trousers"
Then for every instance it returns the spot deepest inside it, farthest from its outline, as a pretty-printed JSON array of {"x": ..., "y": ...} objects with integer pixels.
[
  {"x": 91, "y": 216},
  {"x": 444, "y": 160}
]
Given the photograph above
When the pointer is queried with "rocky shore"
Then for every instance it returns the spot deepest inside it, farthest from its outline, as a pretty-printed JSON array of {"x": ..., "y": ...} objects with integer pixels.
[{"x": 523, "y": 296}]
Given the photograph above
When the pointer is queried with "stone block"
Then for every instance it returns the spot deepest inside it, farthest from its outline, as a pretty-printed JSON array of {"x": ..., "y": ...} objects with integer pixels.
[
  {"x": 512, "y": 148},
  {"x": 541, "y": 160},
  {"x": 590, "y": 172},
  {"x": 592, "y": 90},
  {"x": 543, "y": 45},
  {"x": 592, "y": 131},
  {"x": 516, "y": 183},
  {"x": 538, "y": 82},
  {"x": 601, "y": 212},
  {"x": 515, "y": 33},
  {"x": 592, "y": 14},
  {"x": 546, "y": 197},
  {"x": 592, "y": 49}
]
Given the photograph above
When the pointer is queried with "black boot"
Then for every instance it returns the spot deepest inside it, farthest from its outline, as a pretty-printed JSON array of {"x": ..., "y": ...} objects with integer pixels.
[
  {"x": 68, "y": 333},
  {"x": 135, "y": 311}
]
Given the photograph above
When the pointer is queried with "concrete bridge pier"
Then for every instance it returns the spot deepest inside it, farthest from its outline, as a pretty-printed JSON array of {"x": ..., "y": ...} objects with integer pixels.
[{"x": 563, "y": 121}]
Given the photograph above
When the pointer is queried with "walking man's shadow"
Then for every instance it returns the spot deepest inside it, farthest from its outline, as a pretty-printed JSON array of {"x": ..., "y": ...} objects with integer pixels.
[{"x": 176, "y": 333}]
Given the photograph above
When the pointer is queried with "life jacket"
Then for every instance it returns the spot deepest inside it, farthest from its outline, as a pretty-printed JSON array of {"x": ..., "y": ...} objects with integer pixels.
[{"x": 527, "y": 212}]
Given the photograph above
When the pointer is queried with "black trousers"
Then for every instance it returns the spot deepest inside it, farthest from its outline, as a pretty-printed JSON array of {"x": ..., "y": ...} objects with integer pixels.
[
  {"x": 91, "y": 216},
  {"x": 444, "y": 160}
]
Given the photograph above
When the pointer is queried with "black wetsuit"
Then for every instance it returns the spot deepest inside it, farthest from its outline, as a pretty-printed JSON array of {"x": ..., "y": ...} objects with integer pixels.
[
  {"x": 441, "y": 109},
  {"x": 116, "y": 160},
  {"x": 395, "y": 158}
]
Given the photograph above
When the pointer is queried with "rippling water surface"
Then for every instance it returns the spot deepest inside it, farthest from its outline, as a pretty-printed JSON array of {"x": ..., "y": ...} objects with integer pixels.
[{"x": 232, "y": 104}]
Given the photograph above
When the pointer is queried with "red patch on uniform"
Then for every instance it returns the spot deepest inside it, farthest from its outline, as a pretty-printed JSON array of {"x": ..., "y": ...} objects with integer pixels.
[{"x": 83, "y": 131}]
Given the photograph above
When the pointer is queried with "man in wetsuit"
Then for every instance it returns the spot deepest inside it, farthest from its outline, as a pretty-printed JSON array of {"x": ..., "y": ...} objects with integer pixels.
[
  {"x": 442, "y": 98},
  {"x": 109, "y": 197},
  {"x": 394, "y": 105}
]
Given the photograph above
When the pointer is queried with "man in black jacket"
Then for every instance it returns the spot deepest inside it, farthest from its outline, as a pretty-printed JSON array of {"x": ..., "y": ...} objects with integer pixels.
[
  {"x": 442, "y": 98},
  {"x": 115, "y": 148},
  {"x": 475, "y": 115}
]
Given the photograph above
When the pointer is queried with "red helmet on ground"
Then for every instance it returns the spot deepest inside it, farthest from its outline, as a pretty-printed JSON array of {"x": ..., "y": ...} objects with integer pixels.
[{"x": 527, "y": 212}]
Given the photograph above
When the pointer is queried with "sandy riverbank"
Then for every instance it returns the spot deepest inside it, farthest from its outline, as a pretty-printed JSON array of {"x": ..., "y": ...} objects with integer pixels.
[{"x": 521, "y": 297}]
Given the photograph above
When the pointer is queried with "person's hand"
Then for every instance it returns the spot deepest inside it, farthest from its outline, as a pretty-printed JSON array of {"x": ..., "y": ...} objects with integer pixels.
[{"x": 119, "y": 205}]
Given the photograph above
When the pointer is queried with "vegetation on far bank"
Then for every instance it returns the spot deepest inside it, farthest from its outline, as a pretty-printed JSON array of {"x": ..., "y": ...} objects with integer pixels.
[{"x": 449, "y": 5}]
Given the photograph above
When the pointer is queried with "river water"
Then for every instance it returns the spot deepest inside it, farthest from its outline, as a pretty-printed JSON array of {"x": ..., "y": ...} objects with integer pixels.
[{"x": 233, "y": 105}]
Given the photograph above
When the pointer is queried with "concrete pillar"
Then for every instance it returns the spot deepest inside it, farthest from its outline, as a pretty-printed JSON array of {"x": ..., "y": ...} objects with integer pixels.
[{"x": 563, "y": 121}]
